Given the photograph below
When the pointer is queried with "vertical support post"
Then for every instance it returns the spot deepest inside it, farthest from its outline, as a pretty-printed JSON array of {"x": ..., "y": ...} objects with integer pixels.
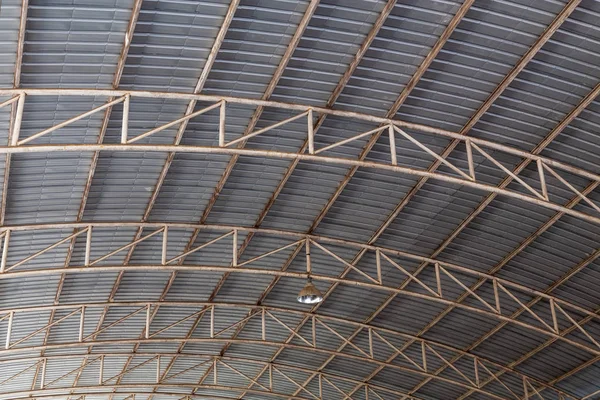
[
  {"x": 147, "y": 333},
  {"x": 222, "y": 124},
  {"x": 370, "y": 342},
  {"x": 314, "y": 331},
  {"x": 378, "y": 263},
  {"x": 234, "y": 257},
  {"x": 81, "y": 323},
  {"x": 366, "y": 392},
  {"x": 497, "y": 296},
  {"x": 525, "y": 389},
  {"x": 263, "y": 325},
  {"x": 320, "y": 385},
  {"x": 212, "y": 322},
  {"x": 163, "y": 254},
  {"x": 270, "y": 377},
  {"x": 215, "y": 373},
  {"x": 311, "y": 132},
  {"x": 308, "y": 263},
  {"x": 14, "y": 139},
  {"x": 125, "y": 122},
  {"x": 543, "y": 185},
  {"x": 88, "y": 246},
  {"x": 438, "y": 279},
  {"x": 4, "y": 251},
  {"x": 470, "y": 159},
  {"x": 43, "y": 377},
  {"x": 157, "y": 369},
  {"x": 101, "y": 374},
  {"x": 424, "y": 355},
  {"x": 9, "y": 329},
  {"x": 554, "y": 319},
  {"x": 476, "y": 368},
  {"x": 392, "y": 136}
]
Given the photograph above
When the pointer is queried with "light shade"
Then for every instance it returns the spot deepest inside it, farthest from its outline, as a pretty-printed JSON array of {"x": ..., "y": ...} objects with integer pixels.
[{"x": 310, "y": 294}]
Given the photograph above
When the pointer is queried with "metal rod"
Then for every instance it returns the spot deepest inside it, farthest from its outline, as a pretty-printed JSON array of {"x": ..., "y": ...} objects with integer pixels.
[
  {"x": 147, "y": 330},
  {"x": 392, "y": 138},
  {"x": 311, "y": 132},
  {"x": 88, "y": 245},
  {"x": 9, "y": 330},
  {"x": 222, "y": 115},
  {"x": 163, "y": 254},
  {"x": 5, "y": 251},
  {"x": 14, "y": 139},
  {"x": 234, "y": 251},
  {"x": 266, "y": 129},
  {"x": 81, "y": 323},
  {"x": 125, "y": 121}
]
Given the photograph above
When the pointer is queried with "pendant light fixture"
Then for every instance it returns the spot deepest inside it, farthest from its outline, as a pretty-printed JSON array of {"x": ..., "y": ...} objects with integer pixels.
[{"x": 309, "y": 293}]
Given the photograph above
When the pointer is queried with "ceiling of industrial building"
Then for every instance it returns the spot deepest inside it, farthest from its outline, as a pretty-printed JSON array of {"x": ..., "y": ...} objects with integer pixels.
[{"x": 172, "y": 172}]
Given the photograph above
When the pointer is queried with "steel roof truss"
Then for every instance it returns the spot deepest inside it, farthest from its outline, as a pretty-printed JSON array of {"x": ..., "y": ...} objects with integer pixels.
[
  {"x": 539, "y": 197},
  {"x": 429, "y": 349},
  {"x": 453, "y": 274}
]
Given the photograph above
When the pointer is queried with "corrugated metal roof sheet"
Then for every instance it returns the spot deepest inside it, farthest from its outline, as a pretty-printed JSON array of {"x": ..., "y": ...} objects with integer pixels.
[{"x": 366, "y": 331}]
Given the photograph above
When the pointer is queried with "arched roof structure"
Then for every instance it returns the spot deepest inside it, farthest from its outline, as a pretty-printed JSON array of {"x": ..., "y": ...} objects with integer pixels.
[{"x": 173, "y": 171}]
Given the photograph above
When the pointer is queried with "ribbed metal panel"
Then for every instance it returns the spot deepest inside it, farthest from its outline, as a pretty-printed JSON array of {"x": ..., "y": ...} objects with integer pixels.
[
  {"x": 78, "y": 44},
  {"x": 9, "y": 23}
]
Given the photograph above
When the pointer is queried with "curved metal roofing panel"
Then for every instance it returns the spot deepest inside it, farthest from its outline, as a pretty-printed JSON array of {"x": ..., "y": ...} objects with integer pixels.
[
  {"x": 9, "y": 21},
  {"x": 478, "y": 55},
  {"x": 392, "y": 59},
  {"x": 379, "y": 325}
]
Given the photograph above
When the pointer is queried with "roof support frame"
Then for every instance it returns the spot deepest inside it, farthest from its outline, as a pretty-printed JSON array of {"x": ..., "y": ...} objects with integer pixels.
[
  {"x": 542, "y": 176},
  {"x": 316, "y": 158},
  {"x": 142, "y": 390},
  {"x": 485, "y": 310},
  {"x": 464, "y": 383},
  {"x": 320, "y": 243},
  {"x": 324, "y": 324},
  {"x": 544, "y": 164}
]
